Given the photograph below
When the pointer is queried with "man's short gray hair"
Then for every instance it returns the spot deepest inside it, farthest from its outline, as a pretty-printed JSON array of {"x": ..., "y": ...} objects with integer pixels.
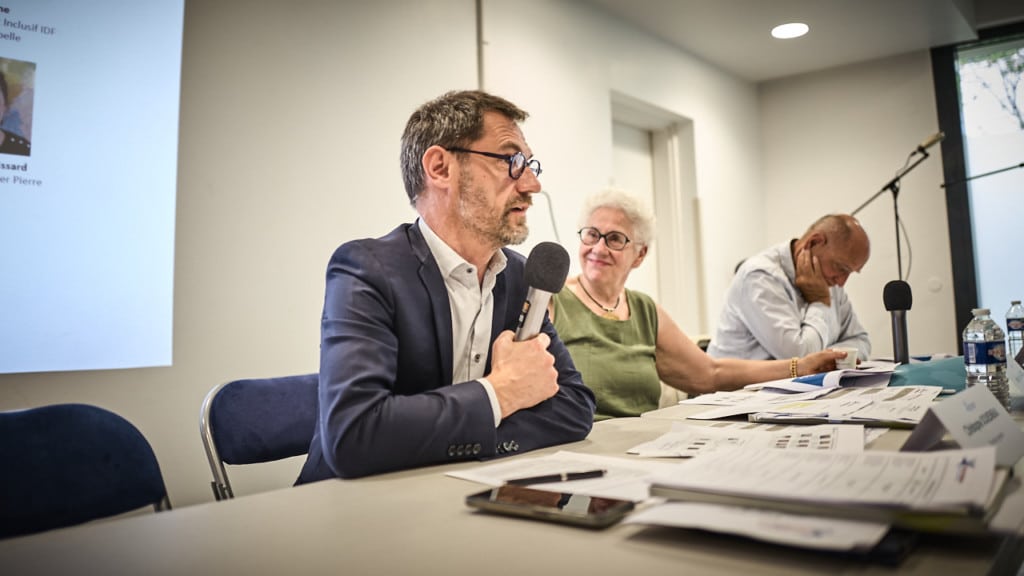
[{"x": 452, "y": 120}]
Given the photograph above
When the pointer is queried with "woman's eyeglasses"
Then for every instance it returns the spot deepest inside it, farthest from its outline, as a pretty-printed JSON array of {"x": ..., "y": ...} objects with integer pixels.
[{"x": 614, "y": 240}]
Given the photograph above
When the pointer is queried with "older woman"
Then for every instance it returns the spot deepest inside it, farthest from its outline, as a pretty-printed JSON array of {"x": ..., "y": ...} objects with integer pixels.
[{"x": 623, "y": 342}]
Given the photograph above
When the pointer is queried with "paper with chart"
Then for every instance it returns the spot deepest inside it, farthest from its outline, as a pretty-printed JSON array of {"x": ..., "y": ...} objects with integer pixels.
[
  {"x": 870, "y": 433},
  {"x": 944, "y": 480},
  {"x": 731, "y": 398},
  {"x": 686, "y": 440},
  {"x": 903, "y": 406},
  {"x": 737, "y": 403}
]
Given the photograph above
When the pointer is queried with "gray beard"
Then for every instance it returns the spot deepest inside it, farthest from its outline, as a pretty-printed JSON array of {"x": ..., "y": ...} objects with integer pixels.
[{"x": 500, "y": 233}]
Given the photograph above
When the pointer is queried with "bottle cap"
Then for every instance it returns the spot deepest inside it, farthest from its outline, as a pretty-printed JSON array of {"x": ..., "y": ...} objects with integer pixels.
[
  {"x": 981, "y": 311},
  {"x": 1014, "y": 302}
]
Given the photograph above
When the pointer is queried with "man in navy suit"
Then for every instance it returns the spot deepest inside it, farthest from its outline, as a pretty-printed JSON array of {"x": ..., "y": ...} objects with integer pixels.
[{"x": 418, "y": 364}]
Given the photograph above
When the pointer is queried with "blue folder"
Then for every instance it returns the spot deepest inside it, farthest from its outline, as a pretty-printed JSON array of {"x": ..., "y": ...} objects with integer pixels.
[{"x": 947, "y": 372}]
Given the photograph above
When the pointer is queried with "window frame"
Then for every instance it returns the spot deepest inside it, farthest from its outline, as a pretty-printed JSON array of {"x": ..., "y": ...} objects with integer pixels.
[{"x": 958, "y": 209}]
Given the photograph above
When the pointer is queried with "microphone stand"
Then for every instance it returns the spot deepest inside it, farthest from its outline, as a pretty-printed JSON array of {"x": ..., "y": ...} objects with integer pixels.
[
  {"x": 894, "y": 187},
  {"x": 897, "y": 294}
]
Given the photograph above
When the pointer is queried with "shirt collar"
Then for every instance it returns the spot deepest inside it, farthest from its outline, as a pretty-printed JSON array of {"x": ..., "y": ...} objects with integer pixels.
[
  {"x": 786, "y": 259},
  {"x": 448, "y": 260}
]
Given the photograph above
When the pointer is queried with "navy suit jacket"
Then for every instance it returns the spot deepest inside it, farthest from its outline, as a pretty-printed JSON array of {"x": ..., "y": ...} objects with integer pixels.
[{"x": 386, "y": 396}]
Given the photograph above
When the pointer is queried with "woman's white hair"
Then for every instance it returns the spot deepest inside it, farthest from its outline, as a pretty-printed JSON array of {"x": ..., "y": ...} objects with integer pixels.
[{"x": 636, "y": 210}]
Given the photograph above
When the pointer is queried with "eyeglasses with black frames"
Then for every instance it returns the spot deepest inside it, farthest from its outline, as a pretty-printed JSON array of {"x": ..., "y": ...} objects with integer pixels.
[
  {"x": 517, "y": 163},
  {"x": 614, "y": 240}
]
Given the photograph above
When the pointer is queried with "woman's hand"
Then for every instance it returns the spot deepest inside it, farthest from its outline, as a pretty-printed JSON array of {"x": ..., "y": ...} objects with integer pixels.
[{"x": 818, "y": 362}]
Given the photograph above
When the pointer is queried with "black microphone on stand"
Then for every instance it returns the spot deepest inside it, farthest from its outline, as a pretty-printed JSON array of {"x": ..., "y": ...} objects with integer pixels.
[{"x": 897, "y": 298}]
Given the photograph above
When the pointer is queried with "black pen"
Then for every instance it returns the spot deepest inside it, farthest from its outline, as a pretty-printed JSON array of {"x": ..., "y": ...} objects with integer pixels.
[{"x": 560, "y": 477}]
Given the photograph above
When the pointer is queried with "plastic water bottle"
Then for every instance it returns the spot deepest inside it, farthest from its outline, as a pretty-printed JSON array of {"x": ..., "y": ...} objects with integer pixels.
[
  {"x": 985, "y": 355},
  {"x": 1014, "y": 342}
]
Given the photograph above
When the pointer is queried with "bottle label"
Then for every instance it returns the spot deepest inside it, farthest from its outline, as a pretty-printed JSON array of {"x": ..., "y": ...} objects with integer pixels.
[
  {"x": 984, "y": 352},
  {"x": 1015, "y": 323}
]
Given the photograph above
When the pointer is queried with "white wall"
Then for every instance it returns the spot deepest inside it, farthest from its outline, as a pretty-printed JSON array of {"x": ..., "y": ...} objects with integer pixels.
[
  {"x": 563, "y": 66},
  {"x": 290, "y": 123},
  {"x": 291, "y": 115},
  {"x": 832, "y": 139},
  {"x": 632, "y": 156}
]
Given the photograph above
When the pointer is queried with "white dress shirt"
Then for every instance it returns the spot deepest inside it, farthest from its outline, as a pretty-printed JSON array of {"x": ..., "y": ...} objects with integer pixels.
[
  {"x": 472, "y": 305},
  {"x": 766, "y": 317}
]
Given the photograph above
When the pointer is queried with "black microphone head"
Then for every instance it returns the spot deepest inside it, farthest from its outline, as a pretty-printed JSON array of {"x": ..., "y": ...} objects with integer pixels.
[
  {"x": 897, "y": 296},
  {"x": 547, "y": 266}
]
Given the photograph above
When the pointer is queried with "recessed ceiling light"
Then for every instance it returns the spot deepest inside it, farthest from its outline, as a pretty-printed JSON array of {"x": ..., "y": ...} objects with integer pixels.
[{"x": 791, "y": 30}]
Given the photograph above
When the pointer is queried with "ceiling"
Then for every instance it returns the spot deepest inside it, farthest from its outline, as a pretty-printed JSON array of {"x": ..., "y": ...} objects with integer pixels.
[{"x": 734, "y": 35}]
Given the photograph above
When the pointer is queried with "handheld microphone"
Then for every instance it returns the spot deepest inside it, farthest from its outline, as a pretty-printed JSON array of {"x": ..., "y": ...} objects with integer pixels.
[
  {"x": 930, "y": 141},
  {"x": 897, "y": 298},
  {"x": 546, "y": 269}
]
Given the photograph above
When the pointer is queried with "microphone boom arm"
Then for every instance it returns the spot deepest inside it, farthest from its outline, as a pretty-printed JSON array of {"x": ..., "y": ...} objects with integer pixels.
[
  {"x": 982, "y": 175},
  {"x": 894, "y": 187},
  {"x": 893, "y": 184}
]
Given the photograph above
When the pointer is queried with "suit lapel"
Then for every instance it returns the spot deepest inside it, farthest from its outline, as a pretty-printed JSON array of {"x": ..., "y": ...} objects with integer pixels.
[
  {"x": 440, "y": 308},
  {"x": 499, "y": 320}
]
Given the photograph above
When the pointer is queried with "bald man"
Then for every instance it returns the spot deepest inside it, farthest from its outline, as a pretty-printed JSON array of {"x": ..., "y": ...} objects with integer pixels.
[{"x": 788, "y": 301}]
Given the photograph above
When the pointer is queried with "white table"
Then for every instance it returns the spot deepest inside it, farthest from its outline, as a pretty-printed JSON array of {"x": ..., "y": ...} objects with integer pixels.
[{"x": 416, "y": 522}]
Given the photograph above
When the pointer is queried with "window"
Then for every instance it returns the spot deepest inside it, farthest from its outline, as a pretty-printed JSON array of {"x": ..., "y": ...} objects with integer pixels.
[{"x": 980, "y": 98}]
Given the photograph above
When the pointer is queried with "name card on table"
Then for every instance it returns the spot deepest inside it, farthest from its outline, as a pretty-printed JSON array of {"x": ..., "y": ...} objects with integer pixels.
[{"x": 972, "y": 418}]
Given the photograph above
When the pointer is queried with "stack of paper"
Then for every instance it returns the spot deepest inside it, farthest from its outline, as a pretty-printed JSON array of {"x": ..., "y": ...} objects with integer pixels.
[
  {"x": 688, "y": 441},
  {"x": 891, "y": 407},
  {"x": 867, "y": 374},
  {"x": 947, "y": 491},
  {"x": 901, "y": 407},
  {"x": 767, "y": 525},
  {"x": 630, "y": 479}
]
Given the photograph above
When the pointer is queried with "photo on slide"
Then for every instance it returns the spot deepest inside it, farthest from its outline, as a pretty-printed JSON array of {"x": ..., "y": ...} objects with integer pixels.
[{"x": 17, "y": 91}]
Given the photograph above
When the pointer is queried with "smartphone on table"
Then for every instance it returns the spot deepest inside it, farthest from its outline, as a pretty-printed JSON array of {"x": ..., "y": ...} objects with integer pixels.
[{"x": 564, "y": 507}]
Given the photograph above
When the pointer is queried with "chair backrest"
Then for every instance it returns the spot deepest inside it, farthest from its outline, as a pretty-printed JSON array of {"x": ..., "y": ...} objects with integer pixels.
[
  {"x": 257, "y": 420},
  {"x": 66, "y": 464}
]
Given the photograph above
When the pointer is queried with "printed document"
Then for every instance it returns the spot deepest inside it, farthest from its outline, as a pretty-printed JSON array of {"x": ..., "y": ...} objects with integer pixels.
[
  {"x": 746, "y": 403},
  {"x": 624, "y": 478},
  {"x": 875, "y": 374},
  {"x": 766, "y": 525},
  {"x": 943, "y": 480},
  {"x": 904, "y": 406},
  {"x": 687, "y": 440}
]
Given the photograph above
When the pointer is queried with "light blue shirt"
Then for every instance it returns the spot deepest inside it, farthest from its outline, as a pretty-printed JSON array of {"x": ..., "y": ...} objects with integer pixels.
[{"x": 766, "y": 317}]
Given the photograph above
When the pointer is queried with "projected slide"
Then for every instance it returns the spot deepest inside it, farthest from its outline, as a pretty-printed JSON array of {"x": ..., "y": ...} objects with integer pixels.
[{"x": 88, "y": 164}]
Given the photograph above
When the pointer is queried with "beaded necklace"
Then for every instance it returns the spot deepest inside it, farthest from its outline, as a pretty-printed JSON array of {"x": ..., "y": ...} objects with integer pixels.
[{"x": 608, "y": 312}]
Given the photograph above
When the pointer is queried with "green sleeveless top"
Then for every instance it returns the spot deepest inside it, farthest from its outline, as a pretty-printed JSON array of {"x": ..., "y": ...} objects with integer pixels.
[{"x": 615, "y": 357}]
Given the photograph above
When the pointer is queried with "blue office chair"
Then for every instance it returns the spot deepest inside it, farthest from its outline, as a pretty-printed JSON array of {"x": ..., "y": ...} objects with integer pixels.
[
  {"x": 66, "y": 464},
  {"x": 257, "y": 420}
]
